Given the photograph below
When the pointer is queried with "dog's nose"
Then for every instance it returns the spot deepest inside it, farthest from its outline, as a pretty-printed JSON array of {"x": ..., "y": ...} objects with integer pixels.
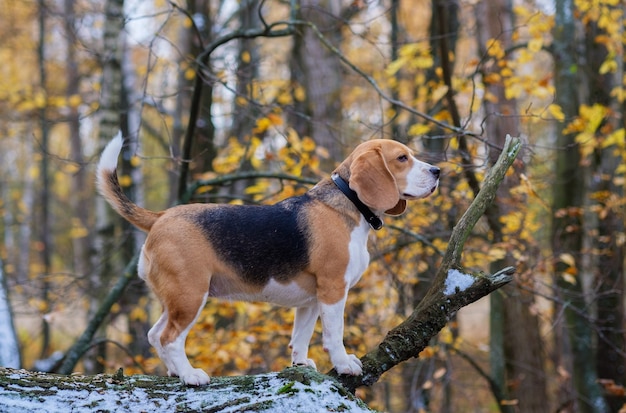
[{"x": 435, "y": 171}]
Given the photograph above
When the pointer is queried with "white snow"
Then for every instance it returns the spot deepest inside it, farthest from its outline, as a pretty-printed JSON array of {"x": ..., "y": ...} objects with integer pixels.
[
  {"x": 268, "y": 392},
  {"x": 457, "y": 282}
]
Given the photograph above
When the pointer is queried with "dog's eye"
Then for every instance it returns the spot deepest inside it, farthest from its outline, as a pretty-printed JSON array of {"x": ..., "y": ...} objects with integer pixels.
[{"x": 403, "y": 158}]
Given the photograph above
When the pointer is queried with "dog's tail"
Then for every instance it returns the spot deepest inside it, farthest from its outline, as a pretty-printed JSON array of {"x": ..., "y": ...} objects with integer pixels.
[{"x": 109, "y": 187}]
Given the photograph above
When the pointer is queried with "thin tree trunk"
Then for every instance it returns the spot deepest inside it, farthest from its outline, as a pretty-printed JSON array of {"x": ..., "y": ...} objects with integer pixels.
[
  {"x": 136, "y": 294},
  {"x": 45, "y": 229},
  {"x": 196, "y": 150},
  {"x": 81, "y": 241},
  {"x": 109, "y": 125},
  {"x": 9, "y": 345}
]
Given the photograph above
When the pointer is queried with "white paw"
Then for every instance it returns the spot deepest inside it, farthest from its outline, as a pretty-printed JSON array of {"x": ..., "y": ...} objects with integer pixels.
[
  {"x": 304, "y": 363},
  {"x": 349, "y": 364},
  {"x": 195, "y": 377}
]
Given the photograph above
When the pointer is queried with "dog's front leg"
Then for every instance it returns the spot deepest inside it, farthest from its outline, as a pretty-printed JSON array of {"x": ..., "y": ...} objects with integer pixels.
[
  {"x": 303, "y": 326},
  {"x": 332, "y": 339}
]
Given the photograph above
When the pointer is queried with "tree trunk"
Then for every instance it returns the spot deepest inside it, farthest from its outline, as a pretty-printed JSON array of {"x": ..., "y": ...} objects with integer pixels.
[
  {"x": 81, "y": 240},
  {"x": 109, "y": 125},
  {"x": 567, "y": 236},
  {"x": 45, "y": 234},
  {"x": 606, "y": 187},
  {"x": 319, "y": 72},
  {"x": 9, "y": 346},
  {"x": 245, "y": 115},
  {"x": 136, "y": 294},
  {"x": 516, "y": 355}
]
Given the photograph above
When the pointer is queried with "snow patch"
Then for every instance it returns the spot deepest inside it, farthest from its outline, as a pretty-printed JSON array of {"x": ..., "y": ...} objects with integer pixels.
[
  {"x": 262, "y": 393},
  {"x": 457, "y": 282}
]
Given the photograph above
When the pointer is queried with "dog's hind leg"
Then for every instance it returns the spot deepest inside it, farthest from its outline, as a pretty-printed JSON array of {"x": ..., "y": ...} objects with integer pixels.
[
  {"x": 303, "y": 326},
  {"x": 177, "y": 321}
]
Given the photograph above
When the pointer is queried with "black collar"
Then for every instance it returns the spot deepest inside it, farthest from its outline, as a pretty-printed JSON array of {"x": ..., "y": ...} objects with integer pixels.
[{"x": 370, "y": 217}]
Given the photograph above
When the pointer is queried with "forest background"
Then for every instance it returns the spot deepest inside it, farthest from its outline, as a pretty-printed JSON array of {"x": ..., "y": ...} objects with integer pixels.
[{"x": 253, "y": 101}]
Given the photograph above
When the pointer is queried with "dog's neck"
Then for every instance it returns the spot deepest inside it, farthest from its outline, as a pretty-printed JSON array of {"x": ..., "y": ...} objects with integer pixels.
[{"x": 375, "y": 222}]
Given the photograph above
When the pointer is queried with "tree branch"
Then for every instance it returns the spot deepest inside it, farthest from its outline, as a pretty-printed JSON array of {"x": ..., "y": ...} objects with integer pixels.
[
  {"x": 452, "y": 288},
  {"x": 243, "y": 175}
]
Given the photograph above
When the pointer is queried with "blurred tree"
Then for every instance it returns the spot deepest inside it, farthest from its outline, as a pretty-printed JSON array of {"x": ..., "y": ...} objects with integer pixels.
[
  {"x": 516, "y": 354},
  {"x": 567, "y": 210},
  {"x": 105, "y": 243}
]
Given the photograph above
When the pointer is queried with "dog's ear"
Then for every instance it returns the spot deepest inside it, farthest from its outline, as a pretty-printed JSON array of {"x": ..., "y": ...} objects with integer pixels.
[{"x": 376, "y": 187}]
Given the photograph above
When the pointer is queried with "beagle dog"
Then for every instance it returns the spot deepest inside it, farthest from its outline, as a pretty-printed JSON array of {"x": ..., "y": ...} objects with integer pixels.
[{"x": 304, "y": 252}]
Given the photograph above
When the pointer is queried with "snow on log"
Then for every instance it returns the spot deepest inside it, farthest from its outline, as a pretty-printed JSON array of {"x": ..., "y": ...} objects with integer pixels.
[{"x": 295, "y": 389}]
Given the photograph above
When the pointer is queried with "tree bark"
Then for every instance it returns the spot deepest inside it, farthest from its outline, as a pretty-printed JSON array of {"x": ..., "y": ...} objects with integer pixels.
[{"x": 318, "y": 70}]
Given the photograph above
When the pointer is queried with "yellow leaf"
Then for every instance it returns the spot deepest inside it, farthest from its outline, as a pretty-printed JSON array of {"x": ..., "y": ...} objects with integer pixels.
[
  {"x": 616, "y": 138},
  {"x": 245, "y": 56},
  {"x": 299, "y": 93},
  {"x": 567, "y": 259},
  {"x": 608, "y": 66},
  {"x": 438, "y": 93},
  {"x": 262, "y": 125},
  {"x": 394, "y": 66},
  {"x": 284, "y": 99},
  {"x": 445, "y": 336},
  {"x": 568, "y": 278},
  {"x": 492, "y": 78},
  {"x": 535, "y": 44},
  {"x": 556, "y": 112},
  {"x": 78, "y": 230},
  {"x": 71, "y": 168},
  {"x": 74, "y": 101},
  {"x": 135, "y": 161},
  {"x": 308, "y": 144},
  {"x": 428, "y": 352},
  {"x": 496, "y": 253},
  {"x": 33, "y": 172},
  {"x": 190, "y": 74},
  {"x": 418, "y": 129},
  {"x": 275, "y": 119},
  {"x": 125, "y": 181},
  {"x": 422, "y": 62},
  {"x": 138, "y": 314}
]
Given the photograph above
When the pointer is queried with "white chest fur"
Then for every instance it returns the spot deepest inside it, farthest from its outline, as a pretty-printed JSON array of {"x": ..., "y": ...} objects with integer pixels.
[{"x": 359, "y": 256}]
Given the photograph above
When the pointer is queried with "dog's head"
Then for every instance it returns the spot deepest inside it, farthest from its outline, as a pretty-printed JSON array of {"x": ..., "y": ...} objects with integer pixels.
[{"x": 385, "y": 174}]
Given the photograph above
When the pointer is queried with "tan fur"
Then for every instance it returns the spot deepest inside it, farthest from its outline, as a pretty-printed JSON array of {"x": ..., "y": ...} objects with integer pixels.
[{"x": 331, "y": 235}]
